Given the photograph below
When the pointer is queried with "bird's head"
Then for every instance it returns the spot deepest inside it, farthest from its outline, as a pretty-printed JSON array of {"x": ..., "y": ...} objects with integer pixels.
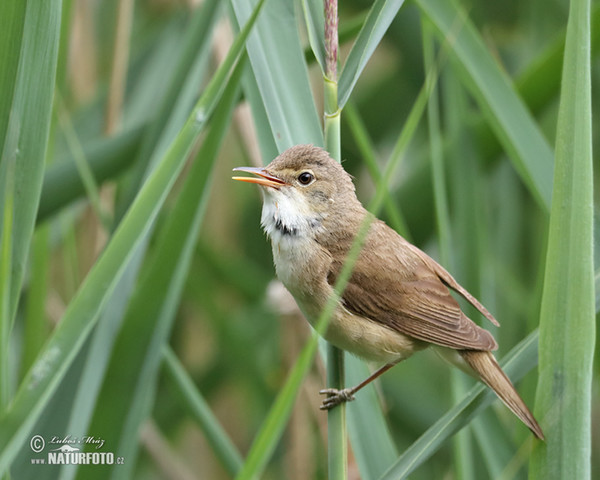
[{"x": 304, "y": 189}]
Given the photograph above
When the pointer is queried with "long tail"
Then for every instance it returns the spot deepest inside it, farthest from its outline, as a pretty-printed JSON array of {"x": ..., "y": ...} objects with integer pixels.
[{"x": 489, "y": 371}]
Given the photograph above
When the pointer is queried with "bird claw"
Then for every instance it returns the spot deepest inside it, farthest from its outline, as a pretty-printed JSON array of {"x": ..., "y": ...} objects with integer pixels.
[{"x": 335, "y": 397}]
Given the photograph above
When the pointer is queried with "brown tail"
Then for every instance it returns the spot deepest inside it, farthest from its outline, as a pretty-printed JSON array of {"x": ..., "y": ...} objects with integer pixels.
[{"x": 492, "y": 375}]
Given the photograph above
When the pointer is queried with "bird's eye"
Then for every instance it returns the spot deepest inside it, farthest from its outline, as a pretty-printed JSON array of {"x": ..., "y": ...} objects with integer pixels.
[{"x": 305, "y": 178}]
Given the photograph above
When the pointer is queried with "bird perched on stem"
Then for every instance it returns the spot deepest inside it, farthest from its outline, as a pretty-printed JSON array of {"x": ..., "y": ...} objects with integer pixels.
[{"x": 397, "y": 300}]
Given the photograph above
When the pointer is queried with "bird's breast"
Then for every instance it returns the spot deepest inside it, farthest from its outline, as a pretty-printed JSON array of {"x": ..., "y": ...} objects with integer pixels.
[{"x": 302, "y": 266}]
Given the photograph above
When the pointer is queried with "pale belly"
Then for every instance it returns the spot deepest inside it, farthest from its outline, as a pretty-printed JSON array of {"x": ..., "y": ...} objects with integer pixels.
[
  {"x": 361, "y": 336},
  {"x": 365, "y": 338}
]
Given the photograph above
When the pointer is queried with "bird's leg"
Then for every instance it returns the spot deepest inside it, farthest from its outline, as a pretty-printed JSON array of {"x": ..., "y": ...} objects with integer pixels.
[{"x": 336, "y": 397}]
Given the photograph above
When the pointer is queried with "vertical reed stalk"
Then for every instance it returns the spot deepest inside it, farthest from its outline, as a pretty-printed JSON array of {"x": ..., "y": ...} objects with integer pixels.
[{"x": 336, "y": 418}]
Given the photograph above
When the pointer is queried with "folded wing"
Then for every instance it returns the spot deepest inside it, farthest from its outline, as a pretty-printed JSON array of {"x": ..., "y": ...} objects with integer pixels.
[{"x": 410, "y": 295}]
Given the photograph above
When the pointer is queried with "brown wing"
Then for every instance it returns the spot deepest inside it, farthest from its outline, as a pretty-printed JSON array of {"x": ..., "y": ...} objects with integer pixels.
[
  {"x": 408, "y": 294},
  {"x": 449, "y": 281}
]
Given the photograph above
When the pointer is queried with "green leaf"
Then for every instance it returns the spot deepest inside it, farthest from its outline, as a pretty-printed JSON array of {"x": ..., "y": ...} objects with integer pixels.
[
  {"x": 539, "y": 83},
  {"x": 279, "y": 67},
  {"x": 36, "y": 328},
  {"x": 82, "y": 164},
  {"x": 11, "y": 39},
  {"x": 567, "y": 317},
  {"x": 376, "y": 24},
  {"x": 200, "y": 410},
  {"x": 597, "y": 289},
  {"x": 368, "y": 156},
  {"x": 8, "y": 202},
  {"x": 29, "y": 71},
  {"x": 493, "y": 89},
  {"x": 315, "y": 26},
  {"x": 270, "y": 432},
  {"x": 371, "y": 440},
  {"x": 264, "y": 134}
]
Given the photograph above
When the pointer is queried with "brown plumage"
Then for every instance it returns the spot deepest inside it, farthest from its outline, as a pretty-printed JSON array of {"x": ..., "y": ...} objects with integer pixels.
[{"x": 397, "y": 300}]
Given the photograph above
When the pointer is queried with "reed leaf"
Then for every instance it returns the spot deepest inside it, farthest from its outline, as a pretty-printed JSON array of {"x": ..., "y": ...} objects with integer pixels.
[
  {"x": 279, "y": 67},
  {"x": 567, "y": 318},
  {"x": 29, "y": 73},
  {"x": 376, "y": 24}
]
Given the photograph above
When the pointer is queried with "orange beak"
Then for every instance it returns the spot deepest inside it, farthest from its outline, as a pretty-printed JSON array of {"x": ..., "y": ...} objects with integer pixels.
[{"x": 264, "y": 178}]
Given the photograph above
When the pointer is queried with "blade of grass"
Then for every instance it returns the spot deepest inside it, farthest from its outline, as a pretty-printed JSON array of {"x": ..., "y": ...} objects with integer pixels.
[
  {"x": 435, "y": 145},
  {"x": 83, "y": 389},
  {"x": 120, "y": 59},
  {"x": 36, "y": 328},
  {"x": 516, "y": 364},
  {"x": 5, "y": 277},
  {"x": 30, "y": 113},
  {"x": 315, "y": 26},
  {"x": 367, "y": 151},
  {"x": 567, "y": 317},
  {"x": 372, "y": 443},
  {"x": 278, "y": 65},
  {"x": 539, "y": 83},
  {"x": 504, "y": 110},
  {"x": 597, "y": 289},
  {"x": 264, "y": 133},
  {"x": 81, "y": 162},
  {"x": 83, "y": 311},
  {"x": 63, "y": 47},
  {"x": 200, "y": 410},
  {"x": 376, "y": 24},
  {"x": 11, "y": 38}
]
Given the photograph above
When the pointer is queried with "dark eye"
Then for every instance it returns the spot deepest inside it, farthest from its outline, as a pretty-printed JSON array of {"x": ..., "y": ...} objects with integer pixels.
[{"x": 305, "y": 178}]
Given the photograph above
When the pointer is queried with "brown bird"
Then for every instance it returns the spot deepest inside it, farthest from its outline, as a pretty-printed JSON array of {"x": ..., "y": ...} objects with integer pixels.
[{"x": 397, "y": 300}]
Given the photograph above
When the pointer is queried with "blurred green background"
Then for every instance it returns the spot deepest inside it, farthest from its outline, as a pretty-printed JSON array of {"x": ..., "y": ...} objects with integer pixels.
[{"x": 127, "y": 76}]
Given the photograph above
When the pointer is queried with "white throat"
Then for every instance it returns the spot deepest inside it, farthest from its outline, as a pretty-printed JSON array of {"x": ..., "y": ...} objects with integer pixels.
[{"x": 286, "y": 217}]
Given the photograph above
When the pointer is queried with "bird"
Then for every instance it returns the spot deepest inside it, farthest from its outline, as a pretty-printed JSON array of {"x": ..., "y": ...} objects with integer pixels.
[{"x": 397, "y": 300}]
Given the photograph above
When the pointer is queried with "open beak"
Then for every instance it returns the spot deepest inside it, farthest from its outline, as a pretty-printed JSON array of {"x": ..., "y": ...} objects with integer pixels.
[{"x": 263, "y": 178}]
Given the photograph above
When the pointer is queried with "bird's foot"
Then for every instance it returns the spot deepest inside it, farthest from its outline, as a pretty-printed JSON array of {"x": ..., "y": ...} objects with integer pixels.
[{"x": 336, "y": 397}]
